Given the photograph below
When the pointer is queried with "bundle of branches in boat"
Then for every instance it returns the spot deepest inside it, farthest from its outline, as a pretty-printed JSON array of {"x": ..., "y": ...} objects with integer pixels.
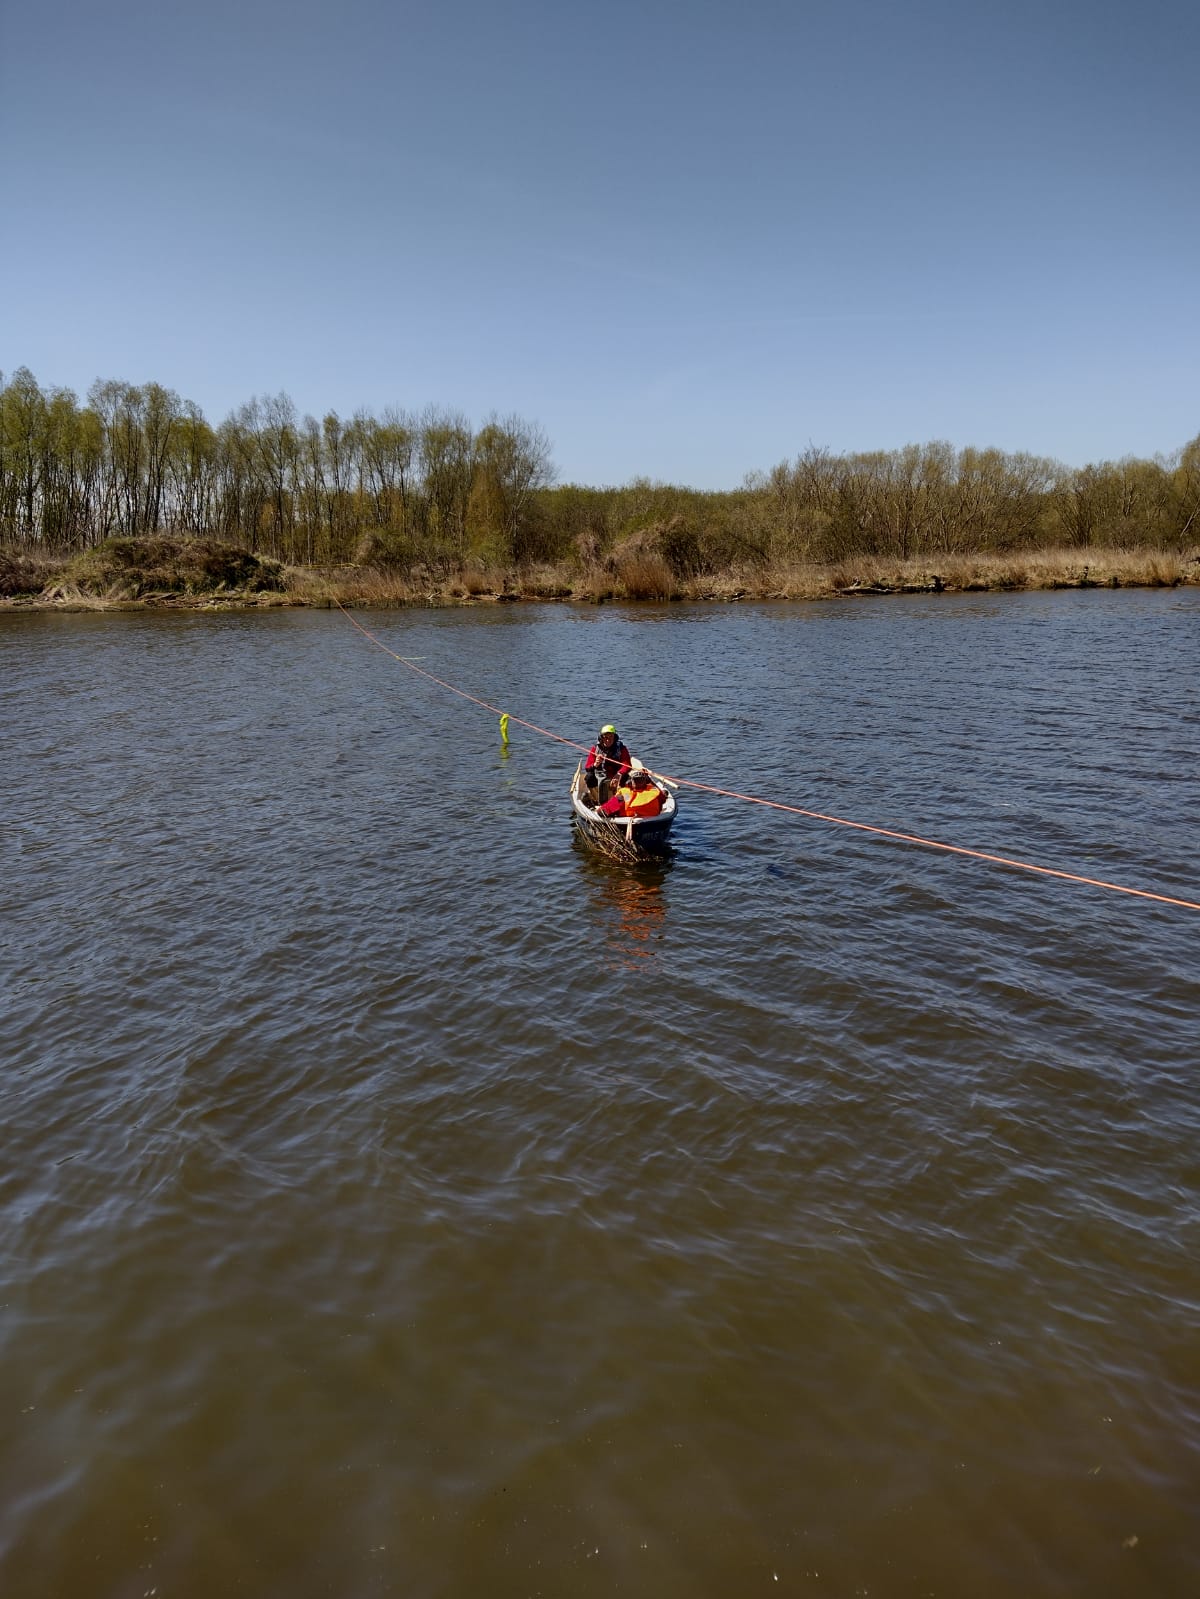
[{"x": 611, "y": 836}]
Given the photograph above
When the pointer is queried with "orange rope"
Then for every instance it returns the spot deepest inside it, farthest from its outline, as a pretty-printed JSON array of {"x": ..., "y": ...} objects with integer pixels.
[
  {"x": 796, "y": 810},
  {"x": 462, "y": 694},
  {"x": 954, "y": 849}
]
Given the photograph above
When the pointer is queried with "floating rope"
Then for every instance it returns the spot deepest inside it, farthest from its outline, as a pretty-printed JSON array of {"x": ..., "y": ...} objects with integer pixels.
[
  {"x": 505, "y": 718},
  {"x": 791, "y": 810}
]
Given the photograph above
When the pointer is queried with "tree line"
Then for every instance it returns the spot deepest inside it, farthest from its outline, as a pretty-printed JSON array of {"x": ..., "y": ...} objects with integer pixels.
[
  {"x": 434, "y": 492},
  {"x": 136, "y": 459}
]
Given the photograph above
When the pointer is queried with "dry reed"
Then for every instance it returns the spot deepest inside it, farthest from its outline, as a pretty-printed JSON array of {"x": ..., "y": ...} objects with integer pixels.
[{"x": 167, "y": 572}]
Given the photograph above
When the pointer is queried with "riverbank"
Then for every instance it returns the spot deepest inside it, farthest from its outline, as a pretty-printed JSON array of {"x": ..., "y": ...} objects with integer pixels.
[{"x": 194, "y": 574}]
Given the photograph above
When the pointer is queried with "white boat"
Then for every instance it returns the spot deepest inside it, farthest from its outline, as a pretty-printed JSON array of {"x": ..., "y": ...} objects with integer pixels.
[{"x": 624, "y": 836}]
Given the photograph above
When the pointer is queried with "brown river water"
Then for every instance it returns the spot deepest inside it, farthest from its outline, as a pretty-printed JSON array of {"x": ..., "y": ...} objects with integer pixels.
[{"x": 398, "y": 1199}]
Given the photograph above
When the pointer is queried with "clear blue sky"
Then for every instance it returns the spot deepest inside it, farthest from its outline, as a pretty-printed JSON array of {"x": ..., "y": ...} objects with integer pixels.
[{"x": 686, "y": 239}]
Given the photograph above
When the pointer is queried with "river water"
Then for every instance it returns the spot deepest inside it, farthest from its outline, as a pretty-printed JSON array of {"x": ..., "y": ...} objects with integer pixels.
[{"x": 398, "y": 1199}]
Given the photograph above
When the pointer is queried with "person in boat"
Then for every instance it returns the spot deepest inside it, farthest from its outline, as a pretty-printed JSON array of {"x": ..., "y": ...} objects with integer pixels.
[
  {"x": 639, "y": 795},
  {"x": 608, "y": 761}
]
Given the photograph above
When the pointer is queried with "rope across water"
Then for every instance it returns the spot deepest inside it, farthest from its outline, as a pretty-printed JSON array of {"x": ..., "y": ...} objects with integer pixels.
[{"x": 791, "y": 810}]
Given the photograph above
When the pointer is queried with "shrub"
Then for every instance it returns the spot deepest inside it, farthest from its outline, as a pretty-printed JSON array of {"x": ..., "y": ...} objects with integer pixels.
[
  {"x": 680, "y": 548},
  {"x": 133, "y": 567}
]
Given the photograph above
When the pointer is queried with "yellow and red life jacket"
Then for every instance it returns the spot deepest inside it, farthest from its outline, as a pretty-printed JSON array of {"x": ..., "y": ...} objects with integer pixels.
[{"x": 647, "y": 801}]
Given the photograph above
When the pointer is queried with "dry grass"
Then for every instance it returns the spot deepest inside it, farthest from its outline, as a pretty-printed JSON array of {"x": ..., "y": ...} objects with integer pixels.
[
  {"x": 479, "y": 580},
  {"x": 131, "y": 569},
  {"x": 72, "y": 598},
  {"x": 371, "y": 586},
  {"x": 866, "y": 574},
  {"x": 638, "y": 575},
  {"x": 312, "y": 585},
  {"x": 167, "y": 572},
  {"x": 964, "y": 573},
  {"x": 25, "y": 572},
  {"x": 595, "y": 586},
  {"x": 546, "y": 583},
  {"x": 1158, "y": 569},
  {"x": 973, "y": 573},
  {"x": 646, "y": 577}
]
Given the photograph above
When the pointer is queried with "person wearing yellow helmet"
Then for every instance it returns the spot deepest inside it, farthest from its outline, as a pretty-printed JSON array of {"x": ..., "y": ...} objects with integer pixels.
[{"x": 607, "y": 762}]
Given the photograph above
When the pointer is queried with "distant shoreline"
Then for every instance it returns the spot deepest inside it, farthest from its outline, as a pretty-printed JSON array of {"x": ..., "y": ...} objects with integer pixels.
[{"x": 160, "y": 574}]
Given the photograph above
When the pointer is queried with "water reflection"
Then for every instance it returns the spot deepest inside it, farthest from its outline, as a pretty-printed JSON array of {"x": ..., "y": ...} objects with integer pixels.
[{"x": 632, "y": 904}]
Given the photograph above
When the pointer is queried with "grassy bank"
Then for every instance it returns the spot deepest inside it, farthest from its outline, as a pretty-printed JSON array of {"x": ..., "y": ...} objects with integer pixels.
[{"x": 172, "y": 573}]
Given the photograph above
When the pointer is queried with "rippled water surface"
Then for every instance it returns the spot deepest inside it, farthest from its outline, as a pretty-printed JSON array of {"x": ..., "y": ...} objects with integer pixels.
[{"x": 398, "y": 1199}]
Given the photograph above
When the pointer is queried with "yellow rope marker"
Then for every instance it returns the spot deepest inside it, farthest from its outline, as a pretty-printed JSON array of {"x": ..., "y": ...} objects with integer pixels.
[{"x": 504, "y": 728}]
